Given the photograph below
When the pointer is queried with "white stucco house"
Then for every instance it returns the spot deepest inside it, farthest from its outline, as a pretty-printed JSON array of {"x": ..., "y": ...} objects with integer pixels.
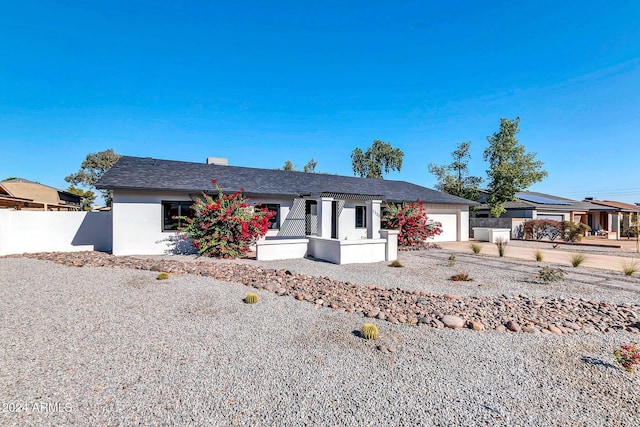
[{"x": 329, "y": 217}]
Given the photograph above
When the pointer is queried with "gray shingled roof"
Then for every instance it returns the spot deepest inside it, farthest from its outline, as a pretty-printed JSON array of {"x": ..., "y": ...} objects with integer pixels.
[{"x": 145, "y": 173}]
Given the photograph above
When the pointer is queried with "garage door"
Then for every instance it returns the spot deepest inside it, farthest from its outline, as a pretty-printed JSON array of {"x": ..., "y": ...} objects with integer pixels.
[
  {"x": 449, "y": 226},
  {"x": 553, "y": 217}
]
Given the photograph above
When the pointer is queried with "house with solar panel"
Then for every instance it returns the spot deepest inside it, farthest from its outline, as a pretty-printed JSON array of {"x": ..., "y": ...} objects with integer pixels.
[
  {"x": 329, "y": 217},
  {"x": 602, "y": 219}
]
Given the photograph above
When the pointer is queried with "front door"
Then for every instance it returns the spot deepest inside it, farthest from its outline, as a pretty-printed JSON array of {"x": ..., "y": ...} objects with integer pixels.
[
  {"x": 604, "y": 221},
  {"x": 334, "y": 219}
]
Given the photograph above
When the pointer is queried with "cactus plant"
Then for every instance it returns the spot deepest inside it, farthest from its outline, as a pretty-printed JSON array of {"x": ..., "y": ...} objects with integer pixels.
[
  {"x": 251, "y": 298},
  {"x": 163, "y": 276},
  {"x": 369, "y": 331}
]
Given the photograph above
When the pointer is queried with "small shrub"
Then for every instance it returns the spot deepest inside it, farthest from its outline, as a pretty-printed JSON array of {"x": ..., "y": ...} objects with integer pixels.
[
  {"x": 630, "y": 267},
  {"x": 251, "y": 298},
  {"x": 452, "y": 260},
  {"x": 539, "y": 256},
  {"x": 574, "y": 231},
  {"x": 577, "y": 259},
  {"x": 538, "y": 229},
  {"x": 369, "y": 331},
  {"x": 476, "y": 248},
  {"x": 461, "y": 277},
  {"x": 502, "y": 245},
  {"x": 395, "y": 263},
  {"x": 548, "y": 274},
  {"x": 163, "y": 276},
  {"x": 628, "y": 355}
]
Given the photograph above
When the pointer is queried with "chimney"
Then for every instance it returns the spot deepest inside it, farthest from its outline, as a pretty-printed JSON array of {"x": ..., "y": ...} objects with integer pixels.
[
  {"x": 589, "y": 199},
  {"x": 219, "y": 161}
]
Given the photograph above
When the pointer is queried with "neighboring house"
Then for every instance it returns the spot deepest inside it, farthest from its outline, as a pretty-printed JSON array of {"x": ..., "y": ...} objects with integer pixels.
[
  {"x": 533, "y": 205},
  {"x": 22, "y": 194},
  {"x": 611, "y": 216},
  {"x": 327, "y": 216}
]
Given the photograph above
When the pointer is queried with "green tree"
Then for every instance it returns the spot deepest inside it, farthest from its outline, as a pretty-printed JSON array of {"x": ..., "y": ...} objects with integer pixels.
[
  {"x": 311, "y": 166},
  {"x": 454, "y": 178},
  {"x": 92, "y": 169},
  {"x": 86, "y": 197},
  {"x": 380, "y": 158},
  {"x": 511, "y": 168},
  {"x": 288, "y": 166}
]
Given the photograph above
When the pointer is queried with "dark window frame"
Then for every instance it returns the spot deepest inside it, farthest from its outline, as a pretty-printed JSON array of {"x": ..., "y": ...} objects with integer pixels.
[
  {"x": 361, "y": 216},
  {"x": 274, "y": 222},
  {"x": 183, "y": 209}
]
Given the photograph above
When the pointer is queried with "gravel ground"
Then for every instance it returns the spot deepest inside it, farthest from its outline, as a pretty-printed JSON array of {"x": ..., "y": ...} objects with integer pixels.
[
  {"x": 100, "y": 346},
  {"x": 587, "y": 248},
  {"x": 430, "y": 271}
]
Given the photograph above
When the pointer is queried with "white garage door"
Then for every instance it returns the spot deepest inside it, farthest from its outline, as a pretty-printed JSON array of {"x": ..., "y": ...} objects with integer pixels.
[
  {"x": 449, "y": 226},
  {"x": 552, "y": 217}
]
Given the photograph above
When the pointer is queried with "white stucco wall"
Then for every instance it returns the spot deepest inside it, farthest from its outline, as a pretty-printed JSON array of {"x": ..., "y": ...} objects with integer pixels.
[
  {"x": 348, "y": 251},
  {"x": 347, "y": 222},
  {"x": 138, "y": 222},
  {"x": 280, "y": 248},
  {"x": 53, "y": 231}
]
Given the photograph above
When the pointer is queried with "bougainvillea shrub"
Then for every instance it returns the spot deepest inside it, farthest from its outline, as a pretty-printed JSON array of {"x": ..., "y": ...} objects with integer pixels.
[
  {"x": 410, "y": 219},
  {"x": 225, "y": 225}
]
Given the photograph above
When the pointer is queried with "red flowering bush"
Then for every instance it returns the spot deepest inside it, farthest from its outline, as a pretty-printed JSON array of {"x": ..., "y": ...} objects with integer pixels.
[
  {"x": 410, "y": 219},
  {"x": 225, "y": 226}
]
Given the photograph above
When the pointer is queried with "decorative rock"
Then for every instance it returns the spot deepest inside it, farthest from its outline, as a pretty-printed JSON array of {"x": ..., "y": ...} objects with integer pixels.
[
  {"x": 563, "y": 315},
  {"x": 476, "y": 326},
  {"x": 571, "y": 325},
  {"x": 453, "y": 322},
  {"x": 392, "y": 319},
  {"x": 512, "y": 326},
  {"x": 554, "y": 329},
  {"x": 501, "y": 328},
  {"x": 373, "y": 312}
]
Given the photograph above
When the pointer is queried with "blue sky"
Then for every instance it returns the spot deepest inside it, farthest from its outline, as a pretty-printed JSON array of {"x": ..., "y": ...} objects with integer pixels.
[{"x": 264, "y": 82}]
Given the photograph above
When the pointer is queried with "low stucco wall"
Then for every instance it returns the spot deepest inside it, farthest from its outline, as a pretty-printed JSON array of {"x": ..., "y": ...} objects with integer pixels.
[
  {"x": 347, "y": 251},
  {"x": 273, "y": 249},
  {"x": 492, "y": 235},
  {"x": 53, "y": 231}
]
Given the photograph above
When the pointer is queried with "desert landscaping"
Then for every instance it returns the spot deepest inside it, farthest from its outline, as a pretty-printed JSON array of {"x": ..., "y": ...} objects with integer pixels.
[{"x": 105, "y": 342}]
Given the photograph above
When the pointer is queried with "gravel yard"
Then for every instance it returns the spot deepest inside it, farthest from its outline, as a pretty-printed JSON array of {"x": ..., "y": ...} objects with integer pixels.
[{"x": 109, "y": 346}]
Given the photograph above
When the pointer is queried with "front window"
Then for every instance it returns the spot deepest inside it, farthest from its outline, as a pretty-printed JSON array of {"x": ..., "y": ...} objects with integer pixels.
[
  {"x": 274, "y": 221},
  {"x": 172, "y": 210},
  {"x": 361, "y": 216}
]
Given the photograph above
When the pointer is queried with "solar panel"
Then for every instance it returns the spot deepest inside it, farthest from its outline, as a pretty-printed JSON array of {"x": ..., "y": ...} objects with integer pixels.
[{"x": 540, "y": 199}]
